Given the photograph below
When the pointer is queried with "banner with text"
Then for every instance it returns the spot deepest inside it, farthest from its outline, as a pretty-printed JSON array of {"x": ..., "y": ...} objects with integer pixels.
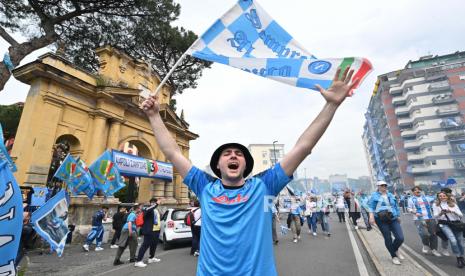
[{"x": 131, "y": 165}]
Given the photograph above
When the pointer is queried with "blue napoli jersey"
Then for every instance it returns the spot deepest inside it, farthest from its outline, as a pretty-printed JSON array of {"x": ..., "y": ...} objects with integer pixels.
[{"x": 236, "y": 223}]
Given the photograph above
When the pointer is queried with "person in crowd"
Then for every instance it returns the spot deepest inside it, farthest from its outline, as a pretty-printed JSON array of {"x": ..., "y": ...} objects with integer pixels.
[
  {"x": 384, "y": 211},
  {"x": 128, "y": 237},
  {"x": 96, "y": 233},
  {"x": 365, "y": 209},
  {"x": 461, "y": 202},
  {"x": 446, "y": 211},
  {"x": 295, "y": 213},
  {"x": 119, "y": 219},
  {"x": 419, "y": 205},
  {"x": 275, "y": 222},
  {"x": 323, "y": 208},
  {"x": 353, "y": 206},
  {"x": 311, "y": 214},
  {"x": 340, "y": 208},
  {"x": 151, "y": 231},
  {"x": 196, "y": 229},
  {"x": 232, "y": 203}
]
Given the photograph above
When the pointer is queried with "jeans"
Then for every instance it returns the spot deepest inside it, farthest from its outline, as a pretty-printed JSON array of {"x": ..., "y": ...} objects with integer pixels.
[
  {"x": 427, "y": 231},
  {"x": 341, "y": 214},
  {"x": 273, "y": 228},
  {"x": 324, "y": 219},
  {"x": 365, "y": 218},
  {"x": 388, "y": 228},
  {"x": 95, "y": 234},
  {"x": 196, "y": 230},
  {"x": 124, "y": 242},
  {"x": 312, "y": 221},
  {"x": 116, "y": 236},
  {"x": 295, "y": 225},
  {"x": 150, "y": 240},
  {"x": 455, "y": 239}
]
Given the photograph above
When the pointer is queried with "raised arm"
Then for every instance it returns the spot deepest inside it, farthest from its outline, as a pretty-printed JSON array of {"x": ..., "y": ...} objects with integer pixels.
[
  {"x": 334, "y": 96},
  {"x": 164, "y": 139}
]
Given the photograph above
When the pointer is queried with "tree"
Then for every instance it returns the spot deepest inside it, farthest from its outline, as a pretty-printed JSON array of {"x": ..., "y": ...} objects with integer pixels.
[
  {"x": 9, "y": 118},
  {"x": 79, "y": 24}
]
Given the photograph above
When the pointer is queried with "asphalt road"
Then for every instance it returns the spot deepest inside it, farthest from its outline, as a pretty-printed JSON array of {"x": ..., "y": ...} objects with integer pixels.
[{"x": 314, "y": 256}]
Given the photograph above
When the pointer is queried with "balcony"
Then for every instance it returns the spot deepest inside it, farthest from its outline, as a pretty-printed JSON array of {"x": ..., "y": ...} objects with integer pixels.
[
  {"x": 415, "y": 156},
  {"x": 399, "y": 101},
  {"x": 459, "y": 164},
  {"x": 408, "y": 133},
  {"x": 420, "y": 169},
  {"x": 443, "y": 99},
  {"x": 451, "y": 123},
  {"x": 402, "y": 110},
  {"x": 439, "y": 86},
  {"x": 413, "y": 144},
  {"x": 447, "y": 111},
  {"x": 405, "y": 121},
  {"x": 436, "y": 76},
  {"x": 456, "y": 152},
  {"x": 395, "y": 90},
  {"x": 455, "y": 136}
]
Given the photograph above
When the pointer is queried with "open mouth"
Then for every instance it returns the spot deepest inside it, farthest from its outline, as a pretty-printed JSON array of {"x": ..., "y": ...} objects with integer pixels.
[{"x": 233, "y": 166}]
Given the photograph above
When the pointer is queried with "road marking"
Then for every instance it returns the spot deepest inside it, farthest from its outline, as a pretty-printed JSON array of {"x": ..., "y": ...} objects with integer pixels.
[
  {"x": 358, "y": 256},
  {"x": 426, "y": 261}
]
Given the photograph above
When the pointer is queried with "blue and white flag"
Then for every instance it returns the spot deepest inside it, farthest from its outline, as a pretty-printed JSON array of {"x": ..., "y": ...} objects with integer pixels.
[
  {"x": 39, "y": 196},
  {"x": 4, "y": 156},
  {"x": 106, "y": 174},
  {"x": 11, "y": 219},
  {"x": 76, "y": 175},
  {"x": 51, "y": 222},
  {"x": 247, "y": 38}
]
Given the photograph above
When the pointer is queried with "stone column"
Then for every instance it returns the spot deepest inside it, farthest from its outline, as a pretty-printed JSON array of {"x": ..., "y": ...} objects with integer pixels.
[
  {"x": 113, "y": 135},
  {"x": 98, "y": 141}
]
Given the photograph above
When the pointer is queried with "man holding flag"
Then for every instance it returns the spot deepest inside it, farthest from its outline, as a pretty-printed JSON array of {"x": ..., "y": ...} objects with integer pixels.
[{"x": 236, "y": 234}]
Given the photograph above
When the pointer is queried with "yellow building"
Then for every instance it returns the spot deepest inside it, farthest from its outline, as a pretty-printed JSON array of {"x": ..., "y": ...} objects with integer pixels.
[{"x": 94, "y": 113}]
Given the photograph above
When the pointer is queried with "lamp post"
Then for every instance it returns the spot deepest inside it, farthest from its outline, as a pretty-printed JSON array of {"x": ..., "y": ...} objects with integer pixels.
[
  {"x": 274, "y": 152},
  {"x": 306, "y": 184}
]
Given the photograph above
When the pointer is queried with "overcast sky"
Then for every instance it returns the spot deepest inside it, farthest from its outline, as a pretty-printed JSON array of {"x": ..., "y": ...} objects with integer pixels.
[{"x": 231, "y": 105}]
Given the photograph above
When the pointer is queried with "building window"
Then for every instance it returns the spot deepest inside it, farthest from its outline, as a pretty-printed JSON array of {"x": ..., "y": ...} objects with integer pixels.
[
  {"x": 265, "y": 162},
  {"x": 433, "y": 162},
  {"x": 264, "y": 154},
  {"x": 462, "y": 77}
]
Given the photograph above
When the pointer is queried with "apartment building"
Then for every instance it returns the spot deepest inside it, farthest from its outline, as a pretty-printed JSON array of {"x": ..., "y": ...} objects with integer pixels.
[
  {"x": 265, "y": 155},
  {"x": 414, "y": 130}
]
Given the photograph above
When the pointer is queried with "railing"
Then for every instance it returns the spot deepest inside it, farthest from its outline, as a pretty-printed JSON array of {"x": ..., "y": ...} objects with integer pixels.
[
  {"x": 447, "y": 111},
  {"x": 459, "y": 164},
  {"x": 443, "y": 99},
  {"x": 438, "y": 87},
  {"x": 455, "y": 136}
]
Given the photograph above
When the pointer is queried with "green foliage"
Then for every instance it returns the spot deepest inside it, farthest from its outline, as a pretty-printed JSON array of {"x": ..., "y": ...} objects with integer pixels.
[
  {"x": 139, "y": 27},
  {"x": 9, "y": 118}
]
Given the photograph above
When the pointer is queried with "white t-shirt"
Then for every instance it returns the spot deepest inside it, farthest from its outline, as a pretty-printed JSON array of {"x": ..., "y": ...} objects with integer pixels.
[
  {"x": 197, "y": 217},
  {"x": 455, "y": 213}
]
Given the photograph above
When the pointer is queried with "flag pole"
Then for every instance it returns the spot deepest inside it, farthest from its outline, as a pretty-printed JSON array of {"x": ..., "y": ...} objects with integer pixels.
[{"x": 165, "y": 79}]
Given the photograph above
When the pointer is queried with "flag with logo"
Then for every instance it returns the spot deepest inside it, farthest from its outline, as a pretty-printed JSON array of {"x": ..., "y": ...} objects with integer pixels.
[
  {"x": 106, "y": 174},
  {"x": 247, "y": 38},
  {"x": 11, "y": 218},
  {"x": 76, "y": 176},
  {"x": 51, "y": 221}
]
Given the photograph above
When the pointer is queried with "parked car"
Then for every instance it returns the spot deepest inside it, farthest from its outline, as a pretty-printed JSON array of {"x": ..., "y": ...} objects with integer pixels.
[{"x": 173, "y": 228}]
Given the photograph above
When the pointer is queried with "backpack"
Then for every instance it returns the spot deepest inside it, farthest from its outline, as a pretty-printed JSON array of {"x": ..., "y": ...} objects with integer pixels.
[
  {"x": 140, "y": 219},
  {"x": 189, "y": 220}
]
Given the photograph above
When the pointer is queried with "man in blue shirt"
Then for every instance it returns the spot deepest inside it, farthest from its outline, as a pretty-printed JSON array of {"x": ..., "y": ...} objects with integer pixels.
[
  {"x": 236, "y": 214},
  {"x": 128, "y": 237},
  {"x": 96, "y": 233}
]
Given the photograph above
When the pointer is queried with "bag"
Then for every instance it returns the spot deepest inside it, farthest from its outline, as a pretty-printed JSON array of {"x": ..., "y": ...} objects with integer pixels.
[
  {"x": 189, "y": 220},
  {"x": 456, "y": 226},
  {"x": 140, "y": 219},
  {"x": 385, "y": 216}
]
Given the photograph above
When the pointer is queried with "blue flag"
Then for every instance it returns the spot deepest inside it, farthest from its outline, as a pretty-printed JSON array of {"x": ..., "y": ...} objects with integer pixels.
[
  {"x": 39, "y": 196},
  {"x": 247, "y": 38},
  {"x": 11, "y": 219},
  {"x": 76, "y": 175},
  {"x": 106, "y": 174},
  {"x": 51, "y": 222}
]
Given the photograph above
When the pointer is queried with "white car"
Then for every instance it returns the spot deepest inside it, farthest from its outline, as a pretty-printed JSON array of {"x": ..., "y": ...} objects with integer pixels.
[{"x": 173, "y": 228}]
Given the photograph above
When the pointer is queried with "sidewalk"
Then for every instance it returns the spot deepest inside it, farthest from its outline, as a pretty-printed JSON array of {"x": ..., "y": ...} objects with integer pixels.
[{"x": 374, "y": 243}]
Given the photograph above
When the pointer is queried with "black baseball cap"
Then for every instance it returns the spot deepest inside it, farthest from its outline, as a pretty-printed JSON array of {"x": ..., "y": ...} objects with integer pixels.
[{"x": 218, "y": 151}]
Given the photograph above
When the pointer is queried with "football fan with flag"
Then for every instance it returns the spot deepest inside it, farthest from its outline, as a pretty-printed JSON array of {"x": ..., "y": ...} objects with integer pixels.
[{"x": 246, "y": 37}]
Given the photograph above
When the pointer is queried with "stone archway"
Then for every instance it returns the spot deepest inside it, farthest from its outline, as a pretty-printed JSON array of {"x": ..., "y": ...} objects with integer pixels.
[{"x": 73, "y": 143}]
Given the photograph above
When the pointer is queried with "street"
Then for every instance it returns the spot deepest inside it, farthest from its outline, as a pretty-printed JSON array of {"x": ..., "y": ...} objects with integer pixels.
[{"x": 320, "y": 255}]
